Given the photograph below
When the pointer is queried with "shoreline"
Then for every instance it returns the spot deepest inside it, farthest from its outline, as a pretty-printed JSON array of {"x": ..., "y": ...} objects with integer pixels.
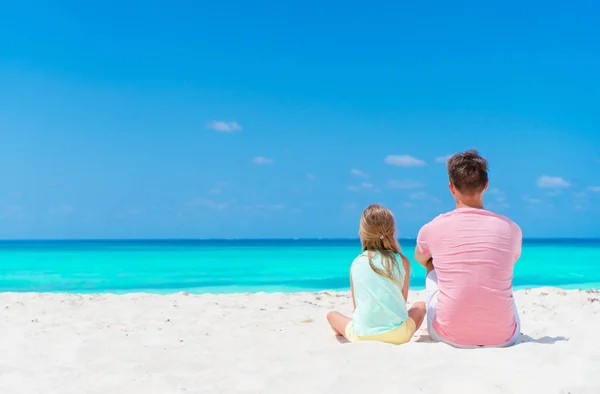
[{"x": 223, "y": 290}]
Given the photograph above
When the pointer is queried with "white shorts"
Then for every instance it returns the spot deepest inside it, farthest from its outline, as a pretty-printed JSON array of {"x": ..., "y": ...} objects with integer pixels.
[{"x": 431, "y": 294}]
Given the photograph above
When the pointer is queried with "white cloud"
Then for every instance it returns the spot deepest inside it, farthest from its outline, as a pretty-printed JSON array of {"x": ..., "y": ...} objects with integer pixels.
[
  {"x": 418, "y": 196},
  {"x": 264, "y": 209},
  {"x": 260, "y": 160},
  {"x": 359, "y": 173},
  {"x": 532, "y": 200},
  {"x": 218, "y": 188},
  {"x": 270, "y": 207},
  {"x": 224, "y": 127},
  {"x": 442, "y": 159},
  {"x": 206, "y": 203},
  {"x": 552, "y": 182},
  {"x": 404, "y": 161},
  {"x": 404, "y": 184},
  {"x": 296, "y": 210},
  {"x": 407, "y": 204},
  {"x": 595, "y": 189},
  {"x": 135, "y": 212},
  {"x": 499, "y": 196},
  {"x": 13, "y": 212},
  {"x": 311, "y": 177},
  {"x": 423, "y": 196},
  {"x": 362, "y": 186}
]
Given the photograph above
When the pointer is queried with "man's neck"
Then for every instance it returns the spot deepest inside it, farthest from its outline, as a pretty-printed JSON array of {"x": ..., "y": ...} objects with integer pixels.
[{"x": 469, "y": 204}]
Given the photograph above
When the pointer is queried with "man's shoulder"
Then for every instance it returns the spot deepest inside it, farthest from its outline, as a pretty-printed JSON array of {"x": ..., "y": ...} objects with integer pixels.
[
  {"x": 453, "y": 215},
  {"x": 506, "y": 220},
  {"x": 441, "y": 218},
  {"x": 434, "y": 226}
]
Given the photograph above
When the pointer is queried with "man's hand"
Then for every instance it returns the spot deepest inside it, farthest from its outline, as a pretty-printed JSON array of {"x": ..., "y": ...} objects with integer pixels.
[{"x": 422, "y": 258}]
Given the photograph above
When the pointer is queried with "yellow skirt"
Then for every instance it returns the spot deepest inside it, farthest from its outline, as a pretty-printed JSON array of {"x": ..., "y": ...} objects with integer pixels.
[{"x": 396, "y": 336}]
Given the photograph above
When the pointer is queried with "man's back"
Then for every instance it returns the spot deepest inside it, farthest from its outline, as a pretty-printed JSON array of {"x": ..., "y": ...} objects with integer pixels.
[{"x": 474, "y": 252}]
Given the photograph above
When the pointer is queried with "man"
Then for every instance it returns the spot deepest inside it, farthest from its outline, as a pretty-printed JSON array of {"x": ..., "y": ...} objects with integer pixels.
[{"x": 469, "y": 255}]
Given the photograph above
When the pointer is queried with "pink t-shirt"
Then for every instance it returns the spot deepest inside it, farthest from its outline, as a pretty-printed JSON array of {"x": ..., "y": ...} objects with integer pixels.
[{"x": 474, "y": 252}]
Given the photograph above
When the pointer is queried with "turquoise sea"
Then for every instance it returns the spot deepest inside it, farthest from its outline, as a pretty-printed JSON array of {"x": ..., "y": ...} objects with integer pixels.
[{"x": 231, "y": 266}]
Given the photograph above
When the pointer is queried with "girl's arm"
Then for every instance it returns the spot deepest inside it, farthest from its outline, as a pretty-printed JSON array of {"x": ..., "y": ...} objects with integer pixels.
[
  {"x": 352, "y": 292},
  {"x": 406, "y": 285}
]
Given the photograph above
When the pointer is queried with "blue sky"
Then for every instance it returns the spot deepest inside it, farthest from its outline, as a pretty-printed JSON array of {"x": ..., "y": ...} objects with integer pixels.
[{"x": 264, "y": 119}]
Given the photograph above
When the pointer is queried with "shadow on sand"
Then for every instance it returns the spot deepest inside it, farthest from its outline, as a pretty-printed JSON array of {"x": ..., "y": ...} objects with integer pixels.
[
  {"x": 524, "y": 339},
  {"x": 424, "y": 338},
  {"x": 341, "y": 339},
  {"x": 543, "y": 340}
]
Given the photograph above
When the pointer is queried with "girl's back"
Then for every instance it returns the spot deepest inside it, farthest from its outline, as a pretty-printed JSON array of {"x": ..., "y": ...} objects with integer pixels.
[{"x": 380, "y": 306}]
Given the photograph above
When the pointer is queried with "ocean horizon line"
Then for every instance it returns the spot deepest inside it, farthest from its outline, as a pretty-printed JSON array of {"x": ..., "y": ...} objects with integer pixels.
[{"x": 299, "y": 239}]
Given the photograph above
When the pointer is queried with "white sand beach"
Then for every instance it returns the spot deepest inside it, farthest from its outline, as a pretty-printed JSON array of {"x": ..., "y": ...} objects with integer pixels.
[{"x": 278, "y": 343}]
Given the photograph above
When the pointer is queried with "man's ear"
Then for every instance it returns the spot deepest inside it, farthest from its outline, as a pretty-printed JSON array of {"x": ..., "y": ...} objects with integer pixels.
[
  {"x": 452, "y": 188},
  {"x": 487, "y": 183}
]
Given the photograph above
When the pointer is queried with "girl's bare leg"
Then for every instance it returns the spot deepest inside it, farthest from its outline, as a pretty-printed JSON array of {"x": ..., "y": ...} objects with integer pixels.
[{"x": 338, "y": 322}]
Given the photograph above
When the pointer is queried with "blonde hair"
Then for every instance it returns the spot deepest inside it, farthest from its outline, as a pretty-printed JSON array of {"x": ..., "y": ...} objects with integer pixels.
[{"x": 377, "y": 234}]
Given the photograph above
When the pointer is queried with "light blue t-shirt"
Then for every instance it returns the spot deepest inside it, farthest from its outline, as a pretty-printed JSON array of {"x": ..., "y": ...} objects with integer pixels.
[{"x": 380, "y": 306}]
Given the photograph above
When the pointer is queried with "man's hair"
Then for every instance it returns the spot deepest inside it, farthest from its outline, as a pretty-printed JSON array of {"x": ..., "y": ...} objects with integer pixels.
[{"x": 468, "y": 172}]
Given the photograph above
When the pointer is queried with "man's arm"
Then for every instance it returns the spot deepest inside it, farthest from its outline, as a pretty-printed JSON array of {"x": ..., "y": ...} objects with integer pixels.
[
  {"x": 423, "y": 258},
  {"x": 518, "y": 241},
  {"x": 422, "y": 253}
]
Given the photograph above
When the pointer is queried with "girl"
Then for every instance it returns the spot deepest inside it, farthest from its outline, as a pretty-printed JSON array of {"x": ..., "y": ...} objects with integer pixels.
[{"x": 379, "y": 286}]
